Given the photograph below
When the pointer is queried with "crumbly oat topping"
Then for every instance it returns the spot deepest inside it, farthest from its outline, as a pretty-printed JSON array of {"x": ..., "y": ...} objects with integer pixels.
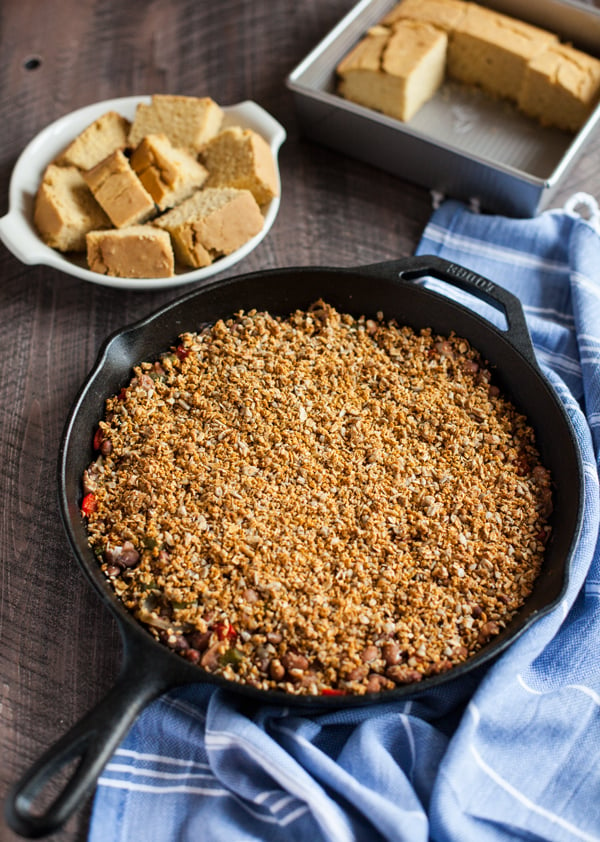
[{"x": 319, "y": 503}]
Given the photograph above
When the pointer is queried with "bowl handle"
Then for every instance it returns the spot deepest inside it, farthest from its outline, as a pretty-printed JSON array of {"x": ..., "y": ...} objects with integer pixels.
[
  {"x": 415, "y": 268},
  {"x": 91, "y": 742}
]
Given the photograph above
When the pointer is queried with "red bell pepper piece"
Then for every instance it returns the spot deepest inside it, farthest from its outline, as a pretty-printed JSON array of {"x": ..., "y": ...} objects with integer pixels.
[
  {"x": 88, "y": 504},
  {"x": 330, "y": 691},
  {"x": 225, "y": 631}
]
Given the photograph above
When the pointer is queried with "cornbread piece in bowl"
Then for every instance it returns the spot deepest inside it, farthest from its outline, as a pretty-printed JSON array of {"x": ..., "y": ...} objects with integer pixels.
[
  {"x": 169, "y": 174},
  {"x": 96, "y": 142},
  {"x": 138, "y": 251},
  {"x": 561, "y": 87},
  {"x": 395, "y": 71},
  {"x": 444, "y": 14},
  {"x": 491, "y": 50},
  {"x": 189, "y": 122},
  {"x": 213, "y": 222},
  {"x": 65, "y": 209},
  {"x": 241, "y": 158},
  {"x": 119, "y": 191}
]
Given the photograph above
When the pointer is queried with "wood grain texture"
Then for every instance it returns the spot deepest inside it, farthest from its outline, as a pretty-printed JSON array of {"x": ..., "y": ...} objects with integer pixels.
[{"x": 60, "y": 650}]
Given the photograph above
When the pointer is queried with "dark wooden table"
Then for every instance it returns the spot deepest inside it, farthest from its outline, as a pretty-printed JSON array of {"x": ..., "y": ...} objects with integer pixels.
[{"x": 59, "y": 649}]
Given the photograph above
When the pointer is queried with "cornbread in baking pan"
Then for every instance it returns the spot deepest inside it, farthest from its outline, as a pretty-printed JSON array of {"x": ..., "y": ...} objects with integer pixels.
[
  {"x": 169, "y": 174},
  {"x": 492, "y": 50},
  {"x": 65, "y": 209},
  {"x": 138, "y": 251},
  {"x": 395, "y": 70},
  {"x": 560, "y": 87},
  {"x": 444, "y": 14},
  {"x": 396, "y": 67},
  {"x": 241, "y": 158},
  {"x": 211, "y": 223},
  {"x": 119, "y": 191},
  {"x": 188, "y": 122},
  {"x": 101, "y": 138}
]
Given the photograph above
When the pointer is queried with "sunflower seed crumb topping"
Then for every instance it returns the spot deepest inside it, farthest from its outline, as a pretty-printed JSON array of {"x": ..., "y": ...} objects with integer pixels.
[{"x": 318, "y": 503}]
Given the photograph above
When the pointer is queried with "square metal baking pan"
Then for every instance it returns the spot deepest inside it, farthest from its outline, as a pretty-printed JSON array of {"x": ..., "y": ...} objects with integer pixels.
[{"x": 461, "y": 143}]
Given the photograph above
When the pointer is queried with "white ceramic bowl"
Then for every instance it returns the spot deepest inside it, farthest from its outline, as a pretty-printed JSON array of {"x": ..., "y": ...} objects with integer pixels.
[{"x": 19, "y": 234}]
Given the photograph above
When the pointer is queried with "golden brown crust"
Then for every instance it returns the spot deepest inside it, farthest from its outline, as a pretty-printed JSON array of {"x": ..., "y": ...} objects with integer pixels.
[
  {"x": 118, "y": 190},
  {"x": 169, "y": 174},
  {"x": 243, "y": 159},
  {"x": 138, "y": 251},
  {"x": 65, "y": 209},
  {"x": 212, "y": 223},
  {"x": 101, "y": 138},
  {"x": 189, "y": 122}
]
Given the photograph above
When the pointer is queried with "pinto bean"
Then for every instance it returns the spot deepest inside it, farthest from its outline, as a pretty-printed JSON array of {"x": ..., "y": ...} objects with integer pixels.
[
  {"x": 376, "y": 683},
  {"x": 276, "y": 669},
  {"x": 191, "y": 655},
  {"x": 128, "y": 557},
  {"x": 370, "y": 653},
  {"x": 391, "y": 652},
  {"x": 199, "y": 640},
  {"x": 359, "y": 673},
  {"x": 106, "y": 447},
  {"x": 488, "y": 630},
  {"x": 174, "y": 640},
  {"x": 401, "y": 674},
  {"x": 293, "y": 661}
]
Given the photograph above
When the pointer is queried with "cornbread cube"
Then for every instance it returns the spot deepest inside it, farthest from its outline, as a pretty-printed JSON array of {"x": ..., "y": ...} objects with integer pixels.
[
  {"x": 188, "y": 122},
  {"x": 444, "y": 14},
  {"x": 211, "y": 223},
  {"x": 96, "y": 142},
  {"x": 395, "y": 71},
  {"x": 169, "y": 174},
  {"x": 492, "y": 50},
  {"x": 560, "y": 87},
  {"x": 241, "y": 158},
  {"x": 119, "y": 191},
  {"x": 139, "y": 251},
  {"x": 65, "y": 209}
]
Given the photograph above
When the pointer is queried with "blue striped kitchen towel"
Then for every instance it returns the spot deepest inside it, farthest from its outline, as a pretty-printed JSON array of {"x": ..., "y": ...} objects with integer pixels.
[{"x": 512, "y": 752}]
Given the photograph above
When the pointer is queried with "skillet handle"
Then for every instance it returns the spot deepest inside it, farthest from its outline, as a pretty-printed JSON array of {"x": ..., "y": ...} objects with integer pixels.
[
  {"x": 415, "y": 268},
  {"x": 91, "y": 742}
]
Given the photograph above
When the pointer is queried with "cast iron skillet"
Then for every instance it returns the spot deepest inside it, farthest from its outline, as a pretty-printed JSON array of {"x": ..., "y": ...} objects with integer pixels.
[{"x": 148, "y": 667}]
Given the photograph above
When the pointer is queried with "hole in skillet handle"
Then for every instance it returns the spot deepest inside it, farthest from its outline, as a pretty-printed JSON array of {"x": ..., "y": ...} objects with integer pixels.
[
  {"x": 416, "y": 268},
  {"x": 58, "y": 783}
]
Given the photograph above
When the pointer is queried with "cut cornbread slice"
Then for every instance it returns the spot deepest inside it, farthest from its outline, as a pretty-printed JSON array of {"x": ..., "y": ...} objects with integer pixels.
[
  {"x": 188, "y": 122},
  {"x": 169, "y": 174},
  {"x": 65, "y": 209},
  {"x": 492, "y": 50},
  {"x": 444, "y": 14},
  {"x": 211, "y": 223},
  {"x": 139, "y": 251},
  {"x": 119, "y": 191},
  {"x": 396, "y": 71},
  {"x": 241, "y": 158},
  {"x": 96, "y": 142},
  {"x": 560, "y": 87}
]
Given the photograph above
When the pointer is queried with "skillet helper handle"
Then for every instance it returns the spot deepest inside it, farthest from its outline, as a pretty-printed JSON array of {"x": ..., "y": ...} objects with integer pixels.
[
  {"x": 428, "y": 265},
  {"x": 91, "y": 742}
]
